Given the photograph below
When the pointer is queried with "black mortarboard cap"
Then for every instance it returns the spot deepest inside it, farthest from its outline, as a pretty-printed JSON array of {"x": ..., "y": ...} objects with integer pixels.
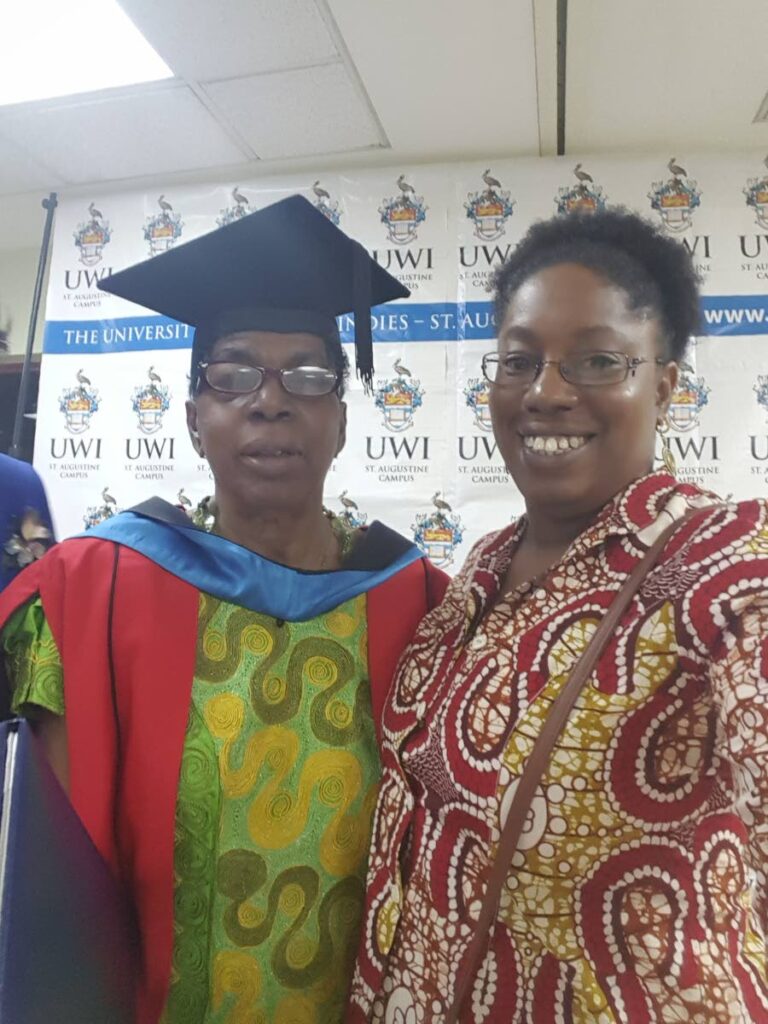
[{"x": 284, "y": 268}]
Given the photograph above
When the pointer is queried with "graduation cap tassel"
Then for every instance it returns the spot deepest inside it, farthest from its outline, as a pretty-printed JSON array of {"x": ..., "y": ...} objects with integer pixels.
[{"x": 361, "y": 271}]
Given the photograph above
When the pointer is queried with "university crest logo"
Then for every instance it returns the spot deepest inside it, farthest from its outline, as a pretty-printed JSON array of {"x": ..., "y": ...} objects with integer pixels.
[
  {"x": 398, "y": 398},
  {"x": 403, "y": 214},
  {"x": 689, "y": 399},
  {"x": 756, "y": 192},
  {"x": 162, "y": 230},
  {"x": 325, "y": 204},
  {"x": 488, "y": 210},
  {"x": 584, "y": 197},
  {"x": 91, "y": 237},
  {"x": 96, "y": 514},
  {"x": 351, "y": 516},
  {"x": 78, "y": 404},
  {"x": 150, "y": 403},
  {"x": 240, "y": 208},
  {"x": 440, "y": 533},
  {"x": 675, "y": 199},
  {"x": 761, "y": 390},
  {"x": 477, "y": 393}
]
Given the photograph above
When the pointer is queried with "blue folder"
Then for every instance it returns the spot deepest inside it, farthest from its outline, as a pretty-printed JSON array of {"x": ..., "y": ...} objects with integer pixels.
[{"x": 67, "y": 942}]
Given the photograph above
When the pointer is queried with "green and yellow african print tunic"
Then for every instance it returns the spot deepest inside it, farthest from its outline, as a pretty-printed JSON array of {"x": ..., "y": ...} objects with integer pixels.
[{"x": 277, "y": 787}]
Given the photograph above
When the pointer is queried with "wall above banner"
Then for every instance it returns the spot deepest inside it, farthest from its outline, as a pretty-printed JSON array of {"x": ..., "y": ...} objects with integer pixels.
[{"x": 420, "y": 454}]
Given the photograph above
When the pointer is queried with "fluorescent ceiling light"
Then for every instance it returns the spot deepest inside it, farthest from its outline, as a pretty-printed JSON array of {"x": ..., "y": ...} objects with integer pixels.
[{"x": 60, "y": 47}]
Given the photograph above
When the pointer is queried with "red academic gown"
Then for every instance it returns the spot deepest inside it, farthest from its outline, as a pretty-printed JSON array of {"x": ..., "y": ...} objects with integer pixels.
[{"x": 126, "y": 631}]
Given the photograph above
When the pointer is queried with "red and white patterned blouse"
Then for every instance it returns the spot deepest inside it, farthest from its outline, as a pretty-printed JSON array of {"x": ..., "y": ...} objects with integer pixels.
[{"x": 638, "y": 893}]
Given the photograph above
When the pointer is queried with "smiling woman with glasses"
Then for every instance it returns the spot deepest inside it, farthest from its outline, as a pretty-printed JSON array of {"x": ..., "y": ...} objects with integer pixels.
[
  {"x": 209, "y": 691},
  {"x": 573, "y": 821}
]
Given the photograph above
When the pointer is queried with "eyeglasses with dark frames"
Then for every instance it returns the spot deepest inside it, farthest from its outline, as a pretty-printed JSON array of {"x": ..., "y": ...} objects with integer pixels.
[
  {"x": 584, "y": 369},
  {"x": 243, "y": 379}
]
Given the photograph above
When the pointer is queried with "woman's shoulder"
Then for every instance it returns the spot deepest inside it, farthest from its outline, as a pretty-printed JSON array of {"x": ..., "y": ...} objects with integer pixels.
[
  {"x": 81, "y": 566},
  {"x": 721, "y": 559},
  {"x": 484, "y": 553},
  {"x": 735, "y": 522}
]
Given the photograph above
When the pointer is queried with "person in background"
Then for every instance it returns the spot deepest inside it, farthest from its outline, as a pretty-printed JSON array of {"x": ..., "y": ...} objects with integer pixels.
[
  {"x": 26, "y": 530},
  {"x": 637, "y": 891},
  {"x": 210, "y": 694}
]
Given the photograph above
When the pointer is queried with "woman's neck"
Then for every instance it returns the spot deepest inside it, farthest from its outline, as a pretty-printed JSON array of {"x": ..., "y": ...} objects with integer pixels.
[
  {"x": 551, "y": 534},
  {"x": 301, "y": 539}
]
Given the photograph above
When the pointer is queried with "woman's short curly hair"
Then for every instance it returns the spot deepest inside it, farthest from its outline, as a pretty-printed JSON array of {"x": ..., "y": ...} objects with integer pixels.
[{"x": 655, "y": 272}]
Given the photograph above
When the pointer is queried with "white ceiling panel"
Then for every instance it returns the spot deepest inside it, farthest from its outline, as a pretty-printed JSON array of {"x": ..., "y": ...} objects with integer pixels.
[
  {"x": 650, "y": 75},
  {"x": 447, "y": 77},
  {"x": 297, "y": 113},
  {"x": 19, "y": 172},
  {"x": 214, "y": 39},
  {"x": 122, "y": 136}
]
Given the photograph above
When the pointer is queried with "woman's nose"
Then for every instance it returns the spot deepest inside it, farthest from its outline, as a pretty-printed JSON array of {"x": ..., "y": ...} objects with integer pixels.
[
  {"x": 270, "y": 399},
  {"x": 550, "y": 388}
]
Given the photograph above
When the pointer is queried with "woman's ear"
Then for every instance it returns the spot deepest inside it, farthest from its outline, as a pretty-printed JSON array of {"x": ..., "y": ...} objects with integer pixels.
[
  {"x": 666, "y": 387},
  {"x": 192, "y": 427},
  {"x": 342, "y": 428}
]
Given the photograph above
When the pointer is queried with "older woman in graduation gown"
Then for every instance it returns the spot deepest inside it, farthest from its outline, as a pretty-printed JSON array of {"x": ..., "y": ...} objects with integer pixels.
[{"x": 210, "y": 694}]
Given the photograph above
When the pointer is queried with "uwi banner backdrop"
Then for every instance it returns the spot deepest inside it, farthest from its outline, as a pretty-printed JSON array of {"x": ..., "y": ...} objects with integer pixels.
[{"x": 420, "y": 453}]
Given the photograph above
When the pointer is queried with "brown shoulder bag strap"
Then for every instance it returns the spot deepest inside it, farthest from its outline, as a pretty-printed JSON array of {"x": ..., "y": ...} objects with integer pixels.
[{"x": 538, "y": 761}]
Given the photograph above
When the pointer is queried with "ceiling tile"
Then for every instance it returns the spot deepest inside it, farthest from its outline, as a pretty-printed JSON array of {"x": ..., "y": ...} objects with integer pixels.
[
  {"x": 203, "y": 39},
  {"x": 19, "y": 172},
  {"x": 649, "y": 75},
  {"x": 447, "y": 77},
  {"x": 297, "y": 113},
  {"x": 122, "y": 136}
]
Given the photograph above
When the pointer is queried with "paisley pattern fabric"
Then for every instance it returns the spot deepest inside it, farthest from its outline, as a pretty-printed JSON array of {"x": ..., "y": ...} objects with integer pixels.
[
  {"x": 278, "y": 783},
  {"x": 638, "y": 890}
]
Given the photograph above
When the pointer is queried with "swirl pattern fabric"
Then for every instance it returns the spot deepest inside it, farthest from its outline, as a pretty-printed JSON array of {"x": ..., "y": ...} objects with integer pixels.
[
  {"x": 638, "y": 891},
  {"x": 278, "y": 784}
]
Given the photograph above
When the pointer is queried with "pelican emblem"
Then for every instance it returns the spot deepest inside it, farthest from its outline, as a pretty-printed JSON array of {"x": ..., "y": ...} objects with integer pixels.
[
  {"x": 151, "y": 402},
  {"x": 439, "y": 533},
  {"x": 79, "y": 403},
  {"x": 351, "y": 515},
  {"x": 398, "y": 398},
  {"x": 96, "y": 514},
  {"x": 440, "y": 504},
  {"x": 583, "y": 197},
  {"x": 163, "y": 229},
  {"x": 91, "y": 236},
  {"x": 404, "y": 187},
  {"x": 325, "y": 204},
  {"x": 403, "y": 213},
  {"x": 240, "y": 199},
  {"x": 490, "y": 208},
  {"x": 489, "y": 180},
  {"x": 675, "y": 198}
]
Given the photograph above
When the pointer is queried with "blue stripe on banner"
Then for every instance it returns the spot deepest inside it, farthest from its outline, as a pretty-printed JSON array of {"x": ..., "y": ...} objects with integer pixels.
[
  {"x": 735, "y": 314},
  {"x": 127, "y": 334},
  {"x": 401, "y": 322}
]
